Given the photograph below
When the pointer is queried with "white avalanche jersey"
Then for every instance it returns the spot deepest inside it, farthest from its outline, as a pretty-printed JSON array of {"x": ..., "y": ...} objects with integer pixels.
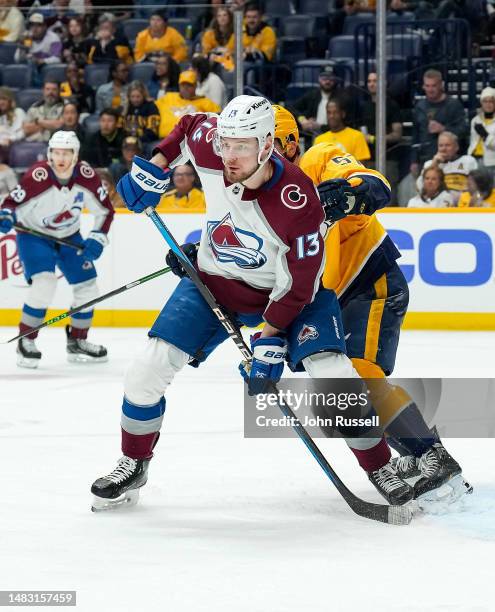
[
  {"x": 42, "y": 203},
  {"x": 261, "y": 250}
]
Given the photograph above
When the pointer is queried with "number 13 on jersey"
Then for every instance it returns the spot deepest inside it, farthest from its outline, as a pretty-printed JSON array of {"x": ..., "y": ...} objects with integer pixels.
[{"x": 307, "y": 246}]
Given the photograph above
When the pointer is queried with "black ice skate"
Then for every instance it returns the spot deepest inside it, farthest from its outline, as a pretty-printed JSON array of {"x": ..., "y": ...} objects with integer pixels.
[
  {"x": 395, "y": 490},
  {"x": 82, "y": 351},
  {"x": 406, "y": 467},
  {"x": 28, "y": 356},
  {"x": 441, "y": 483},
  {"x": 121, "y": 487}
]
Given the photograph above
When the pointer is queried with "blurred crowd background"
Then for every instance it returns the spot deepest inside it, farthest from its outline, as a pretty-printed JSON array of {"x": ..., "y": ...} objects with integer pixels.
[{"x": 121, "y": 77}]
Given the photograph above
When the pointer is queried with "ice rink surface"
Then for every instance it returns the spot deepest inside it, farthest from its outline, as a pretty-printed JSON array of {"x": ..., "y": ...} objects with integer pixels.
[{"x": 225, "y": 524}]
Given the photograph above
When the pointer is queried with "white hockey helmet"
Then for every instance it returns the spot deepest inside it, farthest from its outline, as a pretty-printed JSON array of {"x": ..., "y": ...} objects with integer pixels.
[
  {"x": 247, "y": 117},
  {"x": 64, "y": 140}
]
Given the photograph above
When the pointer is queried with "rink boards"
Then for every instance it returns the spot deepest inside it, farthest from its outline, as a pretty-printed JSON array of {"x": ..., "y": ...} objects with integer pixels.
[{"x": 447, "y": 258}]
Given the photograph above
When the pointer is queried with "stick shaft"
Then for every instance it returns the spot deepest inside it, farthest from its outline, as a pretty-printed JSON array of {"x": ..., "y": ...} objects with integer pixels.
[
  {"x": 93, "y": 302},
  {"x": 33, "y": 232}
]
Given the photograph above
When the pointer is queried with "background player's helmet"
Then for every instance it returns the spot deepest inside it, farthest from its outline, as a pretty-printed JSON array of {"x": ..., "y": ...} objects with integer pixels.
[
  {"x": 64, "y": 140},
  {"x": 286, "y": 129},
  {"x": 247, "y": 117}
]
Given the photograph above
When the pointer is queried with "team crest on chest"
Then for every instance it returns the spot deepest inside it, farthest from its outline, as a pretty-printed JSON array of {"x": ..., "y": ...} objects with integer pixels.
[
  {"x": 308, "y": 332},
  {"x": 233, "y": 245}
]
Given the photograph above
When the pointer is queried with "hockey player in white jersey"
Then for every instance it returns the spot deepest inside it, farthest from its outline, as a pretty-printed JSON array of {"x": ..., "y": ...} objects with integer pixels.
[{"x": 49, "y": 199}]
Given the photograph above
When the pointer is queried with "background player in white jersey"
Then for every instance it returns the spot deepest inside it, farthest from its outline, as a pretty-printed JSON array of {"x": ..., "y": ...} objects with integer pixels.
[
  {"x": 261, "y": 255},
  {"x": 49, "y": 199}
]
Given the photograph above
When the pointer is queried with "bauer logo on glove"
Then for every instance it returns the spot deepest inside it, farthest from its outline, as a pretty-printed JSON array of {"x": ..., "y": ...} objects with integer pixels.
[{"x": 144, "y": 185}]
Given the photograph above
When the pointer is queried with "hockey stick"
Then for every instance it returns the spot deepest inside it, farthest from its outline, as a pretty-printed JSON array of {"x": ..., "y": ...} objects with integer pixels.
[
  {"x": 110, "y": 294},
  {"x": 396, "y": 515},
  {"x": 61, "y": 241}
]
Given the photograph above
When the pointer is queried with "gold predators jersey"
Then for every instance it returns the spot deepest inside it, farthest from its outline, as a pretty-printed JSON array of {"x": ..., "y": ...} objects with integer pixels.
[{"x": 353, "y": 254}]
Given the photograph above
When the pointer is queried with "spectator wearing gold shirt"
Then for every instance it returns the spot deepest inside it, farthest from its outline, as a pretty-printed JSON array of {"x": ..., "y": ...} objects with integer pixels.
[
  {"x": 158, "y": 38},
  {"x": 174, "y": 105},
  {"x": 185, "y": 196},
  {"x": 258, "y": 39},
  {"x": 480, "y": 193},
  {"x": 348, "y": 139},
  {"x": 218, "y": 41}
]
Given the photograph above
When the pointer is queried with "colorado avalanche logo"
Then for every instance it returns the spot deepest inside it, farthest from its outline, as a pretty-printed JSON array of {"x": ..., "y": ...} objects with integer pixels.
[
  {"x": 67, "y": 217},
  {"x": 225, "y": 242},
  {"x": 308, "y": 332},
  {"x": 293, "y": 197},
  {"x": 87, "y": 171},
  {"x": 40, "y": 174}
]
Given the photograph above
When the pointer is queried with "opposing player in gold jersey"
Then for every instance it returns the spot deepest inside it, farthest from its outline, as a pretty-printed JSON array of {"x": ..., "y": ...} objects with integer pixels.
[{"x": 373, "y": 294}]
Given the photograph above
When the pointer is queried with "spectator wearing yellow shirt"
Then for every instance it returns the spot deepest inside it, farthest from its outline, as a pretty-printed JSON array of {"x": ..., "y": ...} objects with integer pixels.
[
  {"x": 350, "y": 140},
  {"x": 159, "y": 37},
  {"x": 218, "y": 41},
  {"x": 185, "y": 196},
  {"x": 258, "y": 38},
  {"x": 480, "y": 193},
  {"x": 174, "y": 105}
]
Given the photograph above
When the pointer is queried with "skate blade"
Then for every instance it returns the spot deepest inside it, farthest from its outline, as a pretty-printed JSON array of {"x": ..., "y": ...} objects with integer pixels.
[
  {"x": 447, "y": 498},
  {"x": 76, "y": 358},
  {"x": 26, "y": 362},
  {"x": 127, "y": 500}
]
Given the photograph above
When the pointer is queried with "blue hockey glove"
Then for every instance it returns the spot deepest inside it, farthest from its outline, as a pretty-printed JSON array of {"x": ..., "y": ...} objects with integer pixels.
[
  {"x": 144, "y": 185},
  {"x": 341, "y": 198},
  {"x": 191, "y": 252},
  {"x": 7, "y": 220},
  {"x": 93, "y": 246},
  {"x": 267, "y": 365}
]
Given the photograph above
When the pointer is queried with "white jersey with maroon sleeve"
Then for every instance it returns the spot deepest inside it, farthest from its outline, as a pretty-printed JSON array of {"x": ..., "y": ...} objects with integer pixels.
[
  {"x": 42, "y": 203},
  {"x": 261, "y": 250}
]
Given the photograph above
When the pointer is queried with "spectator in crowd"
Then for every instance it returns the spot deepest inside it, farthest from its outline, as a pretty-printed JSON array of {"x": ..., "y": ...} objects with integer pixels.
[
  {"x": 204, "y": 19},
  {"x": 455, "y": 167},
  {"x": 393, "y": 130},
  {"x": 76, "y": 47},
  {"x": 11, "y": 21},
  {"x": 44, "y": 117},
  {"x": 130, "y": 147},
  {"x": 210, "y": 85},
  {"x": 8, "y": 181},
  {"x": 185, "y": 196},
  {"x": 217, "y": 41},
  {"x": 437, "y": 113},
  {"x": 113, "y": 93},
  {"x": 41, "y": 48},
  {"x": 140, "y": 117},
  {"x": 434, "y": 192},
  {"x": 348, "y": 139},
  {"x": 482, "y": 140},
  {"x": 311, "y": 108},
  {"x": 480, "y": 192},
  {"x": 172, "y": 106},
  {"x": 422, "y": 9},
  {"x": 160, "y": 37},
  {"x": 11, "y": 122},
  {"x": 165, "y": 78},
  {"x": 76, "y": 89},
  {"x": 258, "y": 39},
  {"x": 108, "y": 183},
  {"x": 57, "y": 15},
  {"x": 107, "y": 46},
  {"x": 103, "y": 147},
  {"x": 70, "y": 117}
]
